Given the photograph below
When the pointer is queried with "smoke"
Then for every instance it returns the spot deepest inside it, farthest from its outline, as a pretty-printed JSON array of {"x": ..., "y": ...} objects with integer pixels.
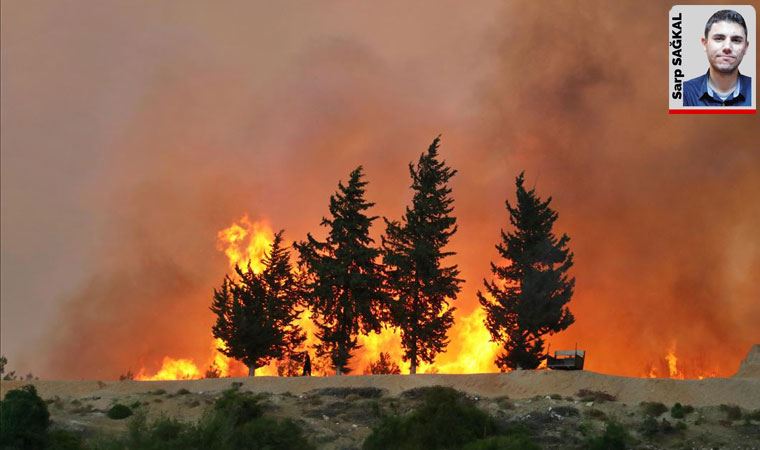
[{"x": 660, "y": 209}]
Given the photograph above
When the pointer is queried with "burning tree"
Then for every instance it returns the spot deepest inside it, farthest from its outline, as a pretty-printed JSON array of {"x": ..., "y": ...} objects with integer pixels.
[
  {"x": 383, "y": 366},
  {"x": 528, "y": 296},
  {"x": 344, "y": 283},
  {"x": 413, "y": 254},
  {"x": 255, "y": 315}
]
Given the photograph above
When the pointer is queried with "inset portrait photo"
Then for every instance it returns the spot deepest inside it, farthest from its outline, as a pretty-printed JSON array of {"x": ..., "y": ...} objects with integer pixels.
[{"x": 712, "y": 59}]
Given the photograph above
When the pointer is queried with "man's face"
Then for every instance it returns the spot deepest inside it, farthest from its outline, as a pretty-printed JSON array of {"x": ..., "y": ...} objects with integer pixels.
[{"x": 725, "y": 46}]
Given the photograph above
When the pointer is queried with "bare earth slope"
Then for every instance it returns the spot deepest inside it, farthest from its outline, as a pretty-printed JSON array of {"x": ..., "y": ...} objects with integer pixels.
[
  {"x": 750, "y": 367},
  {"x": 336, "y": 413},
  {"x": 742, "y": 390}
]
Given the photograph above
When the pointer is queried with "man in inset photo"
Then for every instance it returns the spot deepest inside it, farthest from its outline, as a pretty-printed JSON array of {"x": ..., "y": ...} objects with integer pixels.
[{"x": 725, "y": 43}]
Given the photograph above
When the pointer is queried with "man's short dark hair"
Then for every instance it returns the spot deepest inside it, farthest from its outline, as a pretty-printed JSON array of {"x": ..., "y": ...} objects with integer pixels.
[{"x": 725, "y": 15}]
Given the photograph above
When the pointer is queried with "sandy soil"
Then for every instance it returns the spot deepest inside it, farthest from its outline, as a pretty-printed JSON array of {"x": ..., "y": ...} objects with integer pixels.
[
  {"x": 742, "y": 391},
  {"x": 337, "y": 416}
]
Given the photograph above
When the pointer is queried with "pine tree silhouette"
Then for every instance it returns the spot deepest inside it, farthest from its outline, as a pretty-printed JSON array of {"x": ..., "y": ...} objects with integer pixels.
[
  {"x": 344, "y": 282},
  {"x": 413, "y": 256},
  {"x": 255, "y": 315},
  {"x": 527, "y": 298}
]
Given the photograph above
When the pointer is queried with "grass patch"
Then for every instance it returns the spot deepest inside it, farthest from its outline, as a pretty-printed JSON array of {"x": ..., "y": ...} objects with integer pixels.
[
  {"x": 754, "y": 415},
  {"x": 733, "y": 412},
  {"x": 566, "y": 411},
  {"x": 594, "y": 413},
  {"x": 182, "y": 391},
  {"x": 425, "y": 392},
  {"x": 504, "y": 402},
  {"x": 653, "y": 409},
  {"x": 511, "y": 442},
  {"x": 354, "y": 392},
  {"x": 587, "y": 395}
]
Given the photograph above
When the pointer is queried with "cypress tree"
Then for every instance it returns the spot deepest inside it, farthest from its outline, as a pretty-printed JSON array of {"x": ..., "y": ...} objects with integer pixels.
[
  {"x": 413, "y": 256},
  {"x": 344, "y": 282},
  {"x": 256, "y": 314},
  {"x": 528, "y": 296}
]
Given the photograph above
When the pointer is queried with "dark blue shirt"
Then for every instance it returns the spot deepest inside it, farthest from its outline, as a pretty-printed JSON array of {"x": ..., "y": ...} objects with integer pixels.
[{"x": 696, "y": 92}]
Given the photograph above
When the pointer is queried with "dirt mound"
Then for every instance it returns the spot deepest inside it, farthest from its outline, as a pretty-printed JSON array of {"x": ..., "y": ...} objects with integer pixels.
[
  {"x": 743, "y": 390},
  {"x": 750, "y": 367}
]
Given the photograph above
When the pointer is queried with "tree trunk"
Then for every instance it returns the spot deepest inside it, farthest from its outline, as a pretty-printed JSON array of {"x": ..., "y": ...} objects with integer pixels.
[
  {"x": 251, "y": 371},
  {"x": 413, "y": 361},
  {"x": 338, "y": 371}
]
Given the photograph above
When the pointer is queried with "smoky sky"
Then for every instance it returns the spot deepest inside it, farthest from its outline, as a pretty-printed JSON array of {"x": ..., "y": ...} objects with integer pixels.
[{"x": 132, "y": 132}]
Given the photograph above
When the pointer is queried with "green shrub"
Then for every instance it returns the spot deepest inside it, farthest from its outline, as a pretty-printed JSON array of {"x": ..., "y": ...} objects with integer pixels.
[
  {"x": 513, "y": 442},
  {"x": 649, "y": 427},
  {"x": 665, "y": 426},
  {"x": 268, "y": 433},
  {"x": 679, "y": 411},
  {"x": 64, "y": 440},
  {"x": 234, "y": 422},
  {"x": 182, "y": 391},
  {"x": 653, "y": 409},
  {"x": 24, "y": 419},
  {"x": 733, "y": 412},
  {"x": 444, "y": 420},
  {"x": 754, "y": 415},
  {"x": 238, "y": 407},
  {"x": 615, "y": 437},
  {"x": 119, "y": 411},
  {"x": 681, "y": 425}
]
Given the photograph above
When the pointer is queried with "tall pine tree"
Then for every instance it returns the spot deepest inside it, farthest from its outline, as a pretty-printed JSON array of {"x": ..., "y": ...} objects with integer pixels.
[
  {"x": 413, "y": 256},
  {"x": 344, "y": 282},
  {"x": 256, "y": 315},
  {"x": 529, "y": 294}
]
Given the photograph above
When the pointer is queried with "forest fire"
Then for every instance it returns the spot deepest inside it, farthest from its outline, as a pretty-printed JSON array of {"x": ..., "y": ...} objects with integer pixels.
[
  {"x": 470, "y": 350},
  {"x": 246, "y": 242}
]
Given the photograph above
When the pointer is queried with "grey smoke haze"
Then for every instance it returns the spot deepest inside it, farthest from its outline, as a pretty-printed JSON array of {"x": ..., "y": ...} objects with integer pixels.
[{"x": 132, "y": 132}]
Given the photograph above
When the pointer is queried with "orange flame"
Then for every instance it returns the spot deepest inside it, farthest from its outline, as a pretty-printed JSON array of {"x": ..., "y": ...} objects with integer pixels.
[
  {"x": 172, "y": 369},
  {"x": 677, "y": 368},
  {"x": 244, "y": 242},
  {"x": 673, "y": 363},
  {"x": 232, "y": 240}
]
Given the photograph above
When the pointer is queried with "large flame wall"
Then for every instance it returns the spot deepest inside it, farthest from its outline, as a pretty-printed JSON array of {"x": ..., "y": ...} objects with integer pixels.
[{"x": 263, "y": 109}]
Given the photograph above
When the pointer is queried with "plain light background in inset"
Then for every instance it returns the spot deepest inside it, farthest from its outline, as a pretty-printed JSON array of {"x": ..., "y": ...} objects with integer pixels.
[{"x": 694, "y": 18}]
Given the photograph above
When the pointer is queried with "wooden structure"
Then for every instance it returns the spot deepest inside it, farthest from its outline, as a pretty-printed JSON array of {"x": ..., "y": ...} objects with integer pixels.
[{"x": 566, "y": 360}]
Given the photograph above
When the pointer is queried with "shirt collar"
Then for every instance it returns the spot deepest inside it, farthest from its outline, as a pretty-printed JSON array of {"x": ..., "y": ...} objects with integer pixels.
[{"x": 734, "y": 94}]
